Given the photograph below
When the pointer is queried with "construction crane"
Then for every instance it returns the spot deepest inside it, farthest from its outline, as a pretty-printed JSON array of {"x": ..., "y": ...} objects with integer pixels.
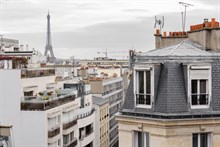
[{"x": 183, "y": 14}]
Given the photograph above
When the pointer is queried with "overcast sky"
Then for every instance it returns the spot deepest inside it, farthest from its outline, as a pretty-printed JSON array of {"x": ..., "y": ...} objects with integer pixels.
[{"x": 80, "y": 28}]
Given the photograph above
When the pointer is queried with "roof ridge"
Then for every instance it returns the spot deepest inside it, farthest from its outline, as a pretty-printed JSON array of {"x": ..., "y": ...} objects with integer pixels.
[{"x": 178, "y": 45}]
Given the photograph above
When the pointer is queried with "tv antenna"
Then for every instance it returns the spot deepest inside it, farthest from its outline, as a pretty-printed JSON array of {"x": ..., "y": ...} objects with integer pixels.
[
  {"x": 183, "y": 14},
  {"x": 159, "y": 22}
]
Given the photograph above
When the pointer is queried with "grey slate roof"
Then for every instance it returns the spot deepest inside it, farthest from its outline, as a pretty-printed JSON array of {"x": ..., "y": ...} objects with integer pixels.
[
  {"x": 185, "y": 48},
  {"x": 171, "y": 97},
  {"x": 171, "y": 82}
]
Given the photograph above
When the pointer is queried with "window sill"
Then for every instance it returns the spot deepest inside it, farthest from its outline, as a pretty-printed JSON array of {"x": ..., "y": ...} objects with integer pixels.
[
  {"x": 144, "y": 106},
  {"x": 200, "y": 107}
]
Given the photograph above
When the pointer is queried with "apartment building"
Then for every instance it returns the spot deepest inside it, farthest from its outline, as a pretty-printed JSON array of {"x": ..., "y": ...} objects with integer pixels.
[
  {"x": 173, "y": 97},
  {"x": 111, "y": 89},
  {"x": 104, "y": 62},
  {"x": 44, "y": 112},
  {"x": 102, "y": 121}
]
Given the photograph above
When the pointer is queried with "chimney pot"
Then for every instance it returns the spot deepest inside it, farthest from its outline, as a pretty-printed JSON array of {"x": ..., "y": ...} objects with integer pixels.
[
  {"x": 157, "y": 32},
  {"x": 165, "y": 34}
]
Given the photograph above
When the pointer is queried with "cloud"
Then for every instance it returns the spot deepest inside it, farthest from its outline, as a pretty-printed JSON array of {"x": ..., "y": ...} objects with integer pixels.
[{"x": 83, "y": 27}]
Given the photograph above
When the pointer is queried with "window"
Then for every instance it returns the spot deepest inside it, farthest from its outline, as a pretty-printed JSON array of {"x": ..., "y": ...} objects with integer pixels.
[
  {"x": 201, "y": 140},
  {"x": 199, "y": 86},
  {"x": 65, "y": 139},
  {"x": 141, "y": 139},
  {"x": 199, "y": 93},
  {"x": 143, "y": 87},
  {"x": 29, "y": 93}
]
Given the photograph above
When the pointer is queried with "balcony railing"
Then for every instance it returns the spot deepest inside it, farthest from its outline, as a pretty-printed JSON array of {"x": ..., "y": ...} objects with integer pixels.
[
  {"x": 37, "y": 73},
  {"x": 200, "y": 99},
  {"x": 54, "y": 131},
  {"x": 72, "y": 143},
  {"x": 144, "y": 99},
  {"x": 46, "y": 104},
  {"x": 69, "y": 124},
  {"x": 86, "y": 114}
]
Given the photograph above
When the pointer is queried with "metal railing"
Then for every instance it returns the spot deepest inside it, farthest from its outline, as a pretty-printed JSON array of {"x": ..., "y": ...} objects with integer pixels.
[
  {"x": 69, "y": 124},
  {"x": 86, "y": 114},
  {"x": 200, "y": 99},
  {"x": 144, "y": 99},
  {"x": 54, "y": 131},
  {"x": 46, "y": 104}
]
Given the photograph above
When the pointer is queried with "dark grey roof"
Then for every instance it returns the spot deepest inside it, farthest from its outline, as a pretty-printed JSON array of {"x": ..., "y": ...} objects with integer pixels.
[
  {"x": 171, "y": 97},
  {"x": 129, "y": 96},
  {"x": 99, "y": 101}
]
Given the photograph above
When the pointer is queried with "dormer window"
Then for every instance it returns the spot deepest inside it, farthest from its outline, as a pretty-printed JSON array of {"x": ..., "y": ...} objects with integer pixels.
[
  {"x": 199, "y": 86},
  {"x": 143, "y": 87}
]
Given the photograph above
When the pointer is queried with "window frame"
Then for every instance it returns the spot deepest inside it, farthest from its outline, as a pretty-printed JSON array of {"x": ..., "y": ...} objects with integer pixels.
[
  {"x": 209, "y": 138},
  {"x": 200, "y": 67},
  {"x": 144, "y": 135},
  {"x": 144, "y": 68}
]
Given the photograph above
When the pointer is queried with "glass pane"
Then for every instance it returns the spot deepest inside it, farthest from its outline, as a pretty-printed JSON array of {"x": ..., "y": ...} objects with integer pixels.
[
  {"x": 194, "y": 99},
  {"x": 194, "y": 86},
  {"x": 140, "y": 98},
  {"x": 204, "y": 140},
  {"x": 65, "y": 139},
  {"x": 203, "y": 99},
  {"x": 141, "y": 82},
  {"x": 202, "y": 86},
  {"x": 148, "y": 100},
  {"x": 147, "y": 140},
  {"x": 195, "y": 140},
  {"x": 148, "y": 85},
  {"x": 139, "y": 139}
]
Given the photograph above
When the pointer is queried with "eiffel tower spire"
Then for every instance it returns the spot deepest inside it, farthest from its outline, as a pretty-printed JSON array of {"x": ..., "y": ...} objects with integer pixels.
[{"x": 49, "y": 47}]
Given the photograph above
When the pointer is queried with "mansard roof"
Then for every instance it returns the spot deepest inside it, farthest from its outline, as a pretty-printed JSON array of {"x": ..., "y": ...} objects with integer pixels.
[{"x": 171, "y": 82}]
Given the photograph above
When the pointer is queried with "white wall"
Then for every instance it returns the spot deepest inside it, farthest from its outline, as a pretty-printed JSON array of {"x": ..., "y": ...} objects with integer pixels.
[
  {"x": 28, "y": 127},
  {"x": 97, "y": 125},
  {"x": 33, "y": 126}
]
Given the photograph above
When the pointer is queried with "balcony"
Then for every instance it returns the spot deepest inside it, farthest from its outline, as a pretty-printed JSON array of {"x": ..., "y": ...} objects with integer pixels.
[
  {"x": 69, "y": 124},
  {"x": 32, "y": 73},
  {"x": 86, "y": 114},
  {"x": 71, "y": 143},
  {"x": 54, "y": 131},
  {"x": 88, "y": 138},
  {"x": 35, "y": 103}
]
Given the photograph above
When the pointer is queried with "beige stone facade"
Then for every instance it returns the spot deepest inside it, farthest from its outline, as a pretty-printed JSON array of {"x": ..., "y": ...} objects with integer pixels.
[
  {"x": 167, "y": 133},
  {"x": 104, "y": 125}
]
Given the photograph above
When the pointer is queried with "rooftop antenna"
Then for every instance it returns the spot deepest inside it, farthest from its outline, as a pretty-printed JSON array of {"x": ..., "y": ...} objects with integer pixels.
[
  {"x": 183, "y": 14},
  {"x": 159, "y": 22},
  {"x": 106, "y": 53}
]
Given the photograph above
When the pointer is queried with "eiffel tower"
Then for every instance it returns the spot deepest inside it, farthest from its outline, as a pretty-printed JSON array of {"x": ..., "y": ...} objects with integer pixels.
[{"x": 49, "y": 47}]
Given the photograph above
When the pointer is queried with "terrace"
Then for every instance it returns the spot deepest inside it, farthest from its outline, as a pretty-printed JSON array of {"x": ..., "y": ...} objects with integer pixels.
[
  {"x": 47, "y": 100},
  {"x": 40, "y": 72}
]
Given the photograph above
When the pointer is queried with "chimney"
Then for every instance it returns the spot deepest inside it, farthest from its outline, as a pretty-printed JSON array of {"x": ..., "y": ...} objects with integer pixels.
[
  {"x": 157, "y": 39},
  {"x": 206, "y": 34}
]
